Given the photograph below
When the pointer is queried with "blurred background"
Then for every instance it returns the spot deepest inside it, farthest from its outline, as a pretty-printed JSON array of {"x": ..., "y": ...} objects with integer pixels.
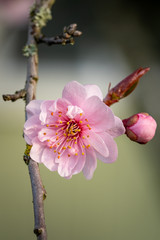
[{"x": 121, "y": 202}]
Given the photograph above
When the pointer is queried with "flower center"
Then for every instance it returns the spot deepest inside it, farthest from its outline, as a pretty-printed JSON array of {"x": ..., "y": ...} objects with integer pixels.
[
  {"x": 69, "y": 133},
  {"x": 72, "y": 128}
]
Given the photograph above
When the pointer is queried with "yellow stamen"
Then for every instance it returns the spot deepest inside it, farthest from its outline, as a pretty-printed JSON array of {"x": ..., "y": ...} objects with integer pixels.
[
  {"x": 76, "y": 154},
  {"x": 69, "y": 155},
  {"x": 81, "y": 114},
  {"x": 83, "y": 146},
  {"x": 74, "y": 138},
  {"x": 88, "y": 126},
  {"x": 64, "y": 148},
  {"x": 58, "y": 157},
  {"x": 59, "y": 153},
  {"x": 60, "y": 115},
  {"x": 75, "y": 142},
  {"x": 60, "y": 121},
  {"x": 47, "y": 125},
  {"x": 48, "y": 140},
  {"x": 67, "y": 123},
  {"x": 56, "y": 133},
  {"x": 88, "y": 145},
  {"x": 64, "y": 134},
  {"x": 44, "y": 133},
  {"x": 54, "y": 151},
  {"x": 57, "y": 138},
  {"x": 69, "y": 147},
  {"x": 52, "y": 113},
  {"x": 80, "y": 121},
  {"x": 50, "y": 147},
  {"x": 82, "y": 153},
  {"x": 86, "y": 120},
  {"x": 88, "y": 136},
  {"x": 83, "y": 137}
]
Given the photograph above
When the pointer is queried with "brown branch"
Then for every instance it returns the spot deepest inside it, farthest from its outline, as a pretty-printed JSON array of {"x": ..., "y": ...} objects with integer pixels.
[
  {"x": 39, "y": 194},
  {"x": 38, "y": 190},
  {"x": 13, "y": 97},
  {"x": 66, "y": 38}
]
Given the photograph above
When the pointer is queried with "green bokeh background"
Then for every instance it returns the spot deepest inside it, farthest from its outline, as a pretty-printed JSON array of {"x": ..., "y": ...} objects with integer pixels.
[{"x": 121, "y": 202}]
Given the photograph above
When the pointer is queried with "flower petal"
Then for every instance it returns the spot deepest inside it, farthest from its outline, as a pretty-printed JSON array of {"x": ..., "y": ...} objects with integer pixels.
[
  {"x": 46, "y": 134},
  {"x": 48, "y": 159},
  {"x": 66, "y": 164},
  {"x": 91, "y": 163},
  {"x": 93, "y": 90},
  {"x": 73, "y": 111},
  {"x": 118, "y": 128},
  {"x": 112, "y": 147},
  {"x": 81, "y": 159},
  {"x": 33, "y": 108},
  {"x": 75, "y": 93},
  {"x": 37, "y": 150},
  {"x": 62, "y": 104},
  {"x": 31, "y": 128},
  {"x": 99, "y": 115},
  {"x": 45, "y": 115},
  {"x": 98, "y": 143}
]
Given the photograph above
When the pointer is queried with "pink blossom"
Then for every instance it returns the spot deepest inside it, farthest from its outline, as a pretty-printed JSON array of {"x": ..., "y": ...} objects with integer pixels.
[
  {"x": 69, "y": 134},
  {"x": 140, "y": 127}
]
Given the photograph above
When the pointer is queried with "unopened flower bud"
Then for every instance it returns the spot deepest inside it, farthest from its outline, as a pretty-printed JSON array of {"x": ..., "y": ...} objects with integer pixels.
[
  {"x": 140, "y": 127},
  {"x": 125, "y": 87}
]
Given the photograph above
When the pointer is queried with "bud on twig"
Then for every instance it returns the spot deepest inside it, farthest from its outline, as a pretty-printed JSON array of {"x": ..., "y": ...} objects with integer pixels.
[
  {"x": 125, "y": 87},
  {"x": 140, "y": 127}
]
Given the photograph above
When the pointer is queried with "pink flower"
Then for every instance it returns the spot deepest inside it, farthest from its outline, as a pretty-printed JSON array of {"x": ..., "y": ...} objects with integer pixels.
[
  {"x": 140, "y": 127},
  {"x": 69, "y": 134}
]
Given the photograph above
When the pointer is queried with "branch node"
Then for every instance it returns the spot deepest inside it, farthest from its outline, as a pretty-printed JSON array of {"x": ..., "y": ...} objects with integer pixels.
[
  {"x": 38, "y": 231},
  {"x": 29, "y": 50},
  {"x": 44, "y": 195},
  {"x": 26, "y": 156}
]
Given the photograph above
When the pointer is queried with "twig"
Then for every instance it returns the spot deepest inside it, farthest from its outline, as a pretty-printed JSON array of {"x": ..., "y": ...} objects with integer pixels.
[
  {"x": 67, "y": 37},
  {"x": 39, "y": 194},
  {"x": 13, "y": 97}
]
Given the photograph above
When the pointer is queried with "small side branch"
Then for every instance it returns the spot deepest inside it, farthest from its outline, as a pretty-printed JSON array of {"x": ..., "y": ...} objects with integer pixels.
[
  {"x": 67, "y": 37},
  {"x": 13, "y": 97}
]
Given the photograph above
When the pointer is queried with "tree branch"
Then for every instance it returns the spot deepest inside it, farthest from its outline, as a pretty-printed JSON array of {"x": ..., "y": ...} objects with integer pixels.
[
  {"x": 13, "y": 97},
  {"x": 38, "y": 190},
  {"x": 39, "y": 194},
  {"x": 67, "y": 36}
]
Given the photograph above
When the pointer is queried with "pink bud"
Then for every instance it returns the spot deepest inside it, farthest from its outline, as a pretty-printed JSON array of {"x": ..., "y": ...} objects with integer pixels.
[
  {"x": 125, "y": 87},
  {"x": 140, "y": 127}
]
